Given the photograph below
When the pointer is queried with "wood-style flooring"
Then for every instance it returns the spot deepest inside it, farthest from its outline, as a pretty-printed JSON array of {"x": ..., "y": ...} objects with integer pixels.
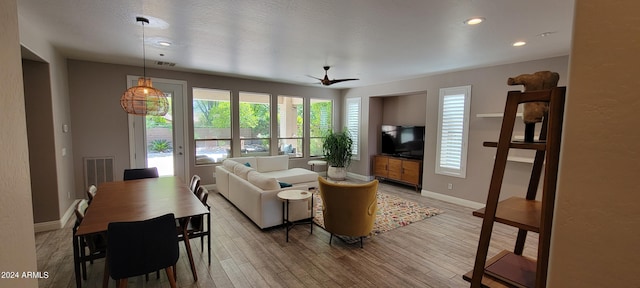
[{"x": 434, "y": 252}]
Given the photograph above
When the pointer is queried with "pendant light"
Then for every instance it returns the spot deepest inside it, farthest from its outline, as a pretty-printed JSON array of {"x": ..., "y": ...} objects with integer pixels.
[{"x": 143, "y": 99}]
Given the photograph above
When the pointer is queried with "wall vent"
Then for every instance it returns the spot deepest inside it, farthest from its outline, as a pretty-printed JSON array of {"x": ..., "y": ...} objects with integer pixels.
[
  {"x": 165, "y": 63},
  {"x": 97, "y": 170}
]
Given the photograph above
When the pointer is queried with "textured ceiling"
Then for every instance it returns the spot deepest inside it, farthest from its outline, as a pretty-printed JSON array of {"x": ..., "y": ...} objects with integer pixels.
[{"x": 377, "y": 41}]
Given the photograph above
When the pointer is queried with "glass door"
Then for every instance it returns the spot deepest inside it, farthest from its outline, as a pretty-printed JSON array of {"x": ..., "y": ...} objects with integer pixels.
[{"x": 159, "y": 141}]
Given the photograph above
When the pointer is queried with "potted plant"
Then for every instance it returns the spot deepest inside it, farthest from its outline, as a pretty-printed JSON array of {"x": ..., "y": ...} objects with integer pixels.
[{"x": 337, "y": 152}]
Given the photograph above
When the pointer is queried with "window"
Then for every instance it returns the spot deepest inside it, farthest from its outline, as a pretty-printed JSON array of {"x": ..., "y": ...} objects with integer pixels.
[
  {"x": 212, "y": 125},
  {"x": 255, "y": 123},
  {"x": 320, "y": 118},
  {"x": 453, "y": 130},
  {"x": 353, "y": 124},
  {"x": 290, "y": 125}
]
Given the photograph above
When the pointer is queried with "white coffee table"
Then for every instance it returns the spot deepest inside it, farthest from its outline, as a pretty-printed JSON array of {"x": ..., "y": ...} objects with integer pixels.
[{"x": 294, "y": 195}]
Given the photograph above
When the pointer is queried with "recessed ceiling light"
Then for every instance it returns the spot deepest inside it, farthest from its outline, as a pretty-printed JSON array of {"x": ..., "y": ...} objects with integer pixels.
[
  {"x": 474, "y": 21},
  {"x": 545, "y": 34},
  {"x": 519, "y": 43},
  {"x": 161, "y": 42}
]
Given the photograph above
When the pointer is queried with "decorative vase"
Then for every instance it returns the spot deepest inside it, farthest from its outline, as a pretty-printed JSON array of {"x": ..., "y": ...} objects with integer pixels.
[{"x": 337, "y": 173}]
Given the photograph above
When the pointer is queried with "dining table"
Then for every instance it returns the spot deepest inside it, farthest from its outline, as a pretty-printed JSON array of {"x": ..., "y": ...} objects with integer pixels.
[{"x": 138, "y": 200}]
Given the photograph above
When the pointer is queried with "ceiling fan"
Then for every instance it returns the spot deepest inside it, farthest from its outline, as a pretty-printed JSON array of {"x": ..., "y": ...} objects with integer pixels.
[{"x": 326, "y": 82}]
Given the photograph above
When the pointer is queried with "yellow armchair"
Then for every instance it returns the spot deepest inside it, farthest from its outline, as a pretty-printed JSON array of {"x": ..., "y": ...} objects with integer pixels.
[{"x": 348, "y": 209}]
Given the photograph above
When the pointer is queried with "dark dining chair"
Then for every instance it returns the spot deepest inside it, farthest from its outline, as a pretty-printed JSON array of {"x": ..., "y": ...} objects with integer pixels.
[
  {"x": 140, "y": 173},
  {"x": 96, "y": 243},
  {"x": 195, "y": 227},
  {"x": 194, "y": 184},
  {"x": 91, "y": 192},
  {"x": 140, "y": 247}
]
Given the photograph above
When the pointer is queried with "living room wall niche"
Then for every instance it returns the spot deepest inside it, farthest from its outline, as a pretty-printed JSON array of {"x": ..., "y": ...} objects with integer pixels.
[
  {"x": 488, "y": 94},
  {"x": 404, "y": 110}
]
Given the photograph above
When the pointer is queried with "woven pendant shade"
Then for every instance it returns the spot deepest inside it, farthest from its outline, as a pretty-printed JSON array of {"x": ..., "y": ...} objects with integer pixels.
[{"x": 143, "y": 99}]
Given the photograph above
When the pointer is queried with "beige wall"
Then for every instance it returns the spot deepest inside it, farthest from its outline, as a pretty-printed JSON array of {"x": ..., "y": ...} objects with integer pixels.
[
  {"x": 62, "y": 116},
  {"x": 376, "y": 119},
  {"x": 406, "y": 110},
  {"x": 39, "y": 114},
  {"x": 17, "y": 249},
  {"x": 32, "y": 39},
  {"x": 100, "y": 125},
  {"x": 488, "y": 94},
  {"x": 597, "y": 219}
]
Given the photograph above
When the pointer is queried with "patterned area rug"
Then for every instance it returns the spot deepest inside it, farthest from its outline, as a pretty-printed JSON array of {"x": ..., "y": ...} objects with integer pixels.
[{"x": 393, "y": 212}]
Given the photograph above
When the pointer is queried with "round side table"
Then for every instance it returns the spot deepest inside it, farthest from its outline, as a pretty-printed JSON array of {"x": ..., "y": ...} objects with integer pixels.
[{"x": 294, "y": 195}]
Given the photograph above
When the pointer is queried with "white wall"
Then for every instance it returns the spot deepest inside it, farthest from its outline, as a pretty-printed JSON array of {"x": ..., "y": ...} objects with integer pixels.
[
  {"x": 17, "y": 251},
  {"x": 596, "y": 236}
]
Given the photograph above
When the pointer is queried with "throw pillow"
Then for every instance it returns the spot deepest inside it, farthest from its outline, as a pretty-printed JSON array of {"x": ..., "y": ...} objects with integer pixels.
[
  {"x": 284, "y": 184},
  {"x": 287, "y": 149}
]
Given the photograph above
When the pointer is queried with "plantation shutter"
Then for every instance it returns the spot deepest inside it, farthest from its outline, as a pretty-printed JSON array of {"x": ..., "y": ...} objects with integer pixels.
[
  {"x": 451, "y": 140},
  {"x": 353, "y": 124},
  {"x": 453, "y": 130}
]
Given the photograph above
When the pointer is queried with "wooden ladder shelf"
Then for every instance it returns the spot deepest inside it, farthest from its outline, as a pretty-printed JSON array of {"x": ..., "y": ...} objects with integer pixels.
[{"x": 511, "y": 268}]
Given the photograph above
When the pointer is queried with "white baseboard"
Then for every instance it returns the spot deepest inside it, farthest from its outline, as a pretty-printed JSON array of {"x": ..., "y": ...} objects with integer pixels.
[
  {"x": 55, "y": 224},
  {"x": 451, "y": 199},
  {"x": 70, "y": 211},
  {"x": 46, "y": 226}
]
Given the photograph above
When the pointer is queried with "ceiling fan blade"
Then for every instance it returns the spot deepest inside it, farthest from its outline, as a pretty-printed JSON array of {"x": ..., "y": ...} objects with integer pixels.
[
  {"x": 326, "y": 82},
  {"x": 334, "y": 81}
]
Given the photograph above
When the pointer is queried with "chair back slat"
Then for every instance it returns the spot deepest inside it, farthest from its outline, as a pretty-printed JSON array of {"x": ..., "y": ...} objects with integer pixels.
[
  {"x": 91, "y": 192},
  {"x": 140, "y": 173},
  {"x": 197, "y": 222},
  {"x": 194, "y": 184},
  {"x": 81, "y": 209}
]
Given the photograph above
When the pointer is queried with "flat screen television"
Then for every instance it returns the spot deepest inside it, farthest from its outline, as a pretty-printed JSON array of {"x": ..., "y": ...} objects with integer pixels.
[{"x": 403, "y": 141}]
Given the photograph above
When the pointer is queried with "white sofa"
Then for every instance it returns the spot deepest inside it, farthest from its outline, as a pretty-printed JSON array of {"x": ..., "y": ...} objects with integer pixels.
[{"x": 252, "y": 185}]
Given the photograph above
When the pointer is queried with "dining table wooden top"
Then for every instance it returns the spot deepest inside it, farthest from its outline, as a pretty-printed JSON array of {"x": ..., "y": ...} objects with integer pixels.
[{"x": 137, "y": 200}]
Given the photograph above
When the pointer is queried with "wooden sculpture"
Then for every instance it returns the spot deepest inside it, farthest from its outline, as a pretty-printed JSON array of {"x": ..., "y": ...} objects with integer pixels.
[{"x": 533, "y": 112}]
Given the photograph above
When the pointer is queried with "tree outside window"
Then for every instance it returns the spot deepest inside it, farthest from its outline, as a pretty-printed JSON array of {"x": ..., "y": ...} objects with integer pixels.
[
  {"x": 212, "y": 125},
  {"x": 320, "y": 118},
  {"x": 255, "y": 123}
]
